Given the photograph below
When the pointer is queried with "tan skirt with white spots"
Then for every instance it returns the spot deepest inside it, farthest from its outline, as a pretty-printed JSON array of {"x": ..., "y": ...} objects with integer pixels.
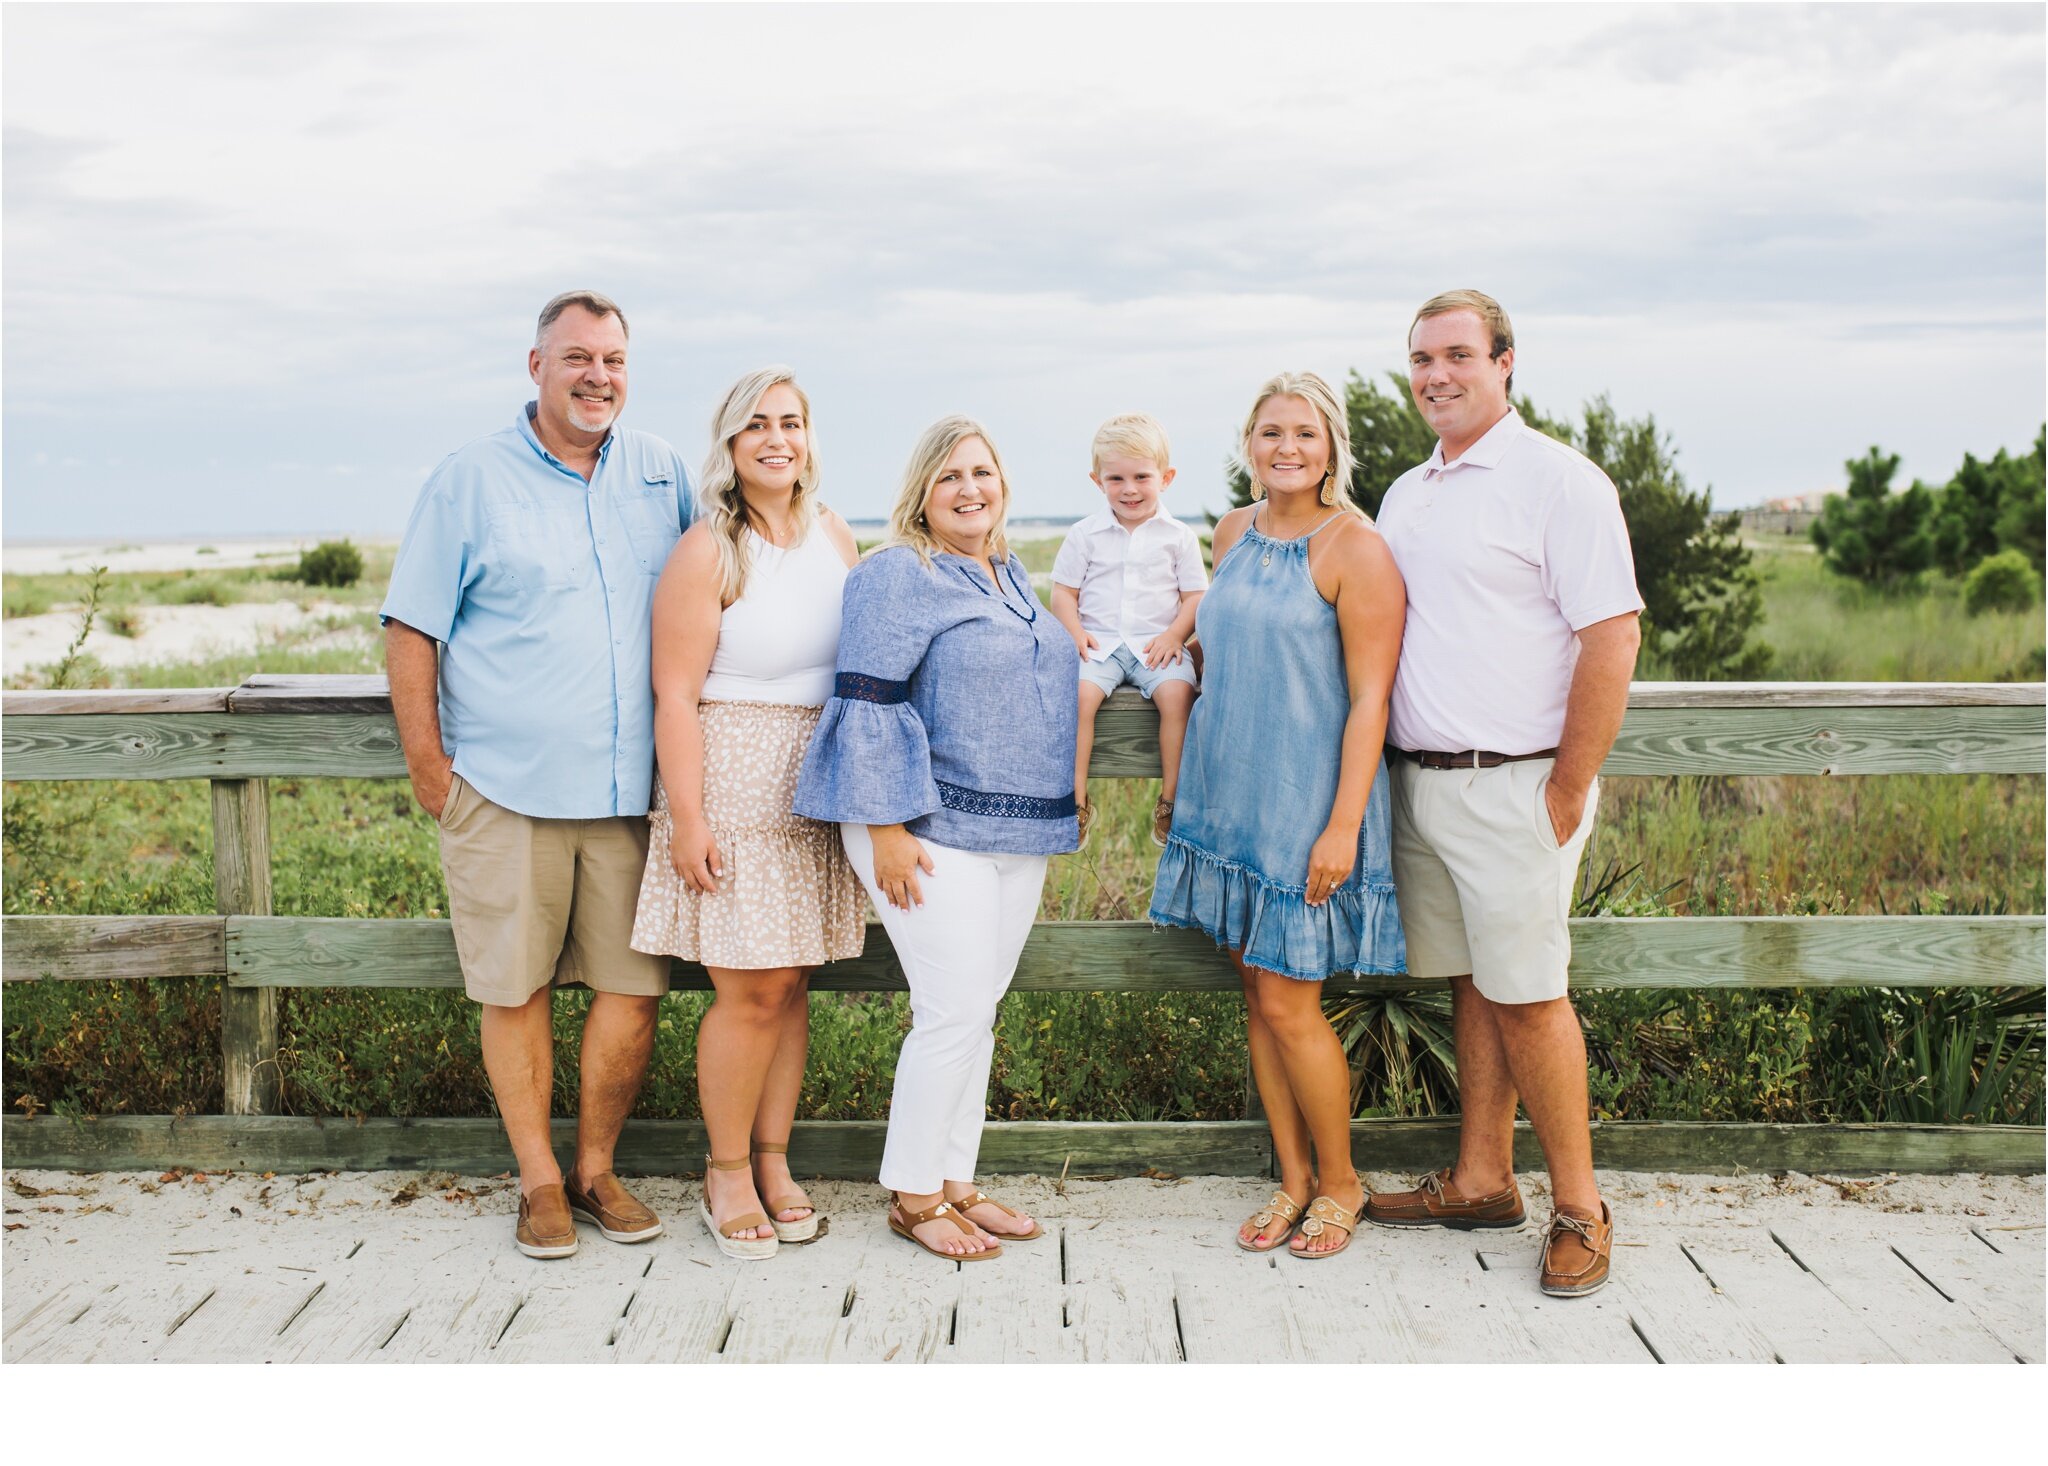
[{"x": 786, "y": 896}]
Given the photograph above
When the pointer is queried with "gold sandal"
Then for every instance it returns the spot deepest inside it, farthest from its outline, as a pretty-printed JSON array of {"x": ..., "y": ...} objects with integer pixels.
[
  {"x": 803, "y": 1229},
  {"x": 1279, "y": 1207},
  {"x": 749, "y": 1249},
  {"x": 1324, "y": 1213},
  {"x": 982, "y": 1198},
  {"x": 943, "y": 1210}
]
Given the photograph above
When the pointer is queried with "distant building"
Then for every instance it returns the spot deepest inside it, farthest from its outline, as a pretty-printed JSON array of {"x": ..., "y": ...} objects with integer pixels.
[{"x": 1791, "y": 516}]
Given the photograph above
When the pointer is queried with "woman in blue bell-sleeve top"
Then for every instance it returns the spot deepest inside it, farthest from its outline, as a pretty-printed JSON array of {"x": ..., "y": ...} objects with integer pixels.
[{"x": 946, "y": 756}]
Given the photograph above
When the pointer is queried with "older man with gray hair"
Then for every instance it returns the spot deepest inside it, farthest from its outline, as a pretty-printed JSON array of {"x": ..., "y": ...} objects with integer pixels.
[{"x": 530, "y": 561}]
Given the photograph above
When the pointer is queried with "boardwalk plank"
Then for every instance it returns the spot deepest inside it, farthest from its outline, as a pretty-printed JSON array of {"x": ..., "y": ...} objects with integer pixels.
[
  {"x": 678, "y": 1314},
  {"x": 126, "y": 1324},
  {"x": 240, "y": 1324},
  {"x": 1678, "y": 1311},
  {"x": 1900, "y": 1307},
  {"x": 902, "y": 1302},
  {"x": 348, "y": 1323},
  {"x": 567, "y": 1323},
  {"x": 452, "y": 1321},
  {"x": 785, "y": 1309},
  {"x": 36, "y": 1316},
  {"x": 1590, "y": 1330},
  {"x": 1012, "y": 1311},
  {"x": 1350, "y": 1314},
  {"x": 1119, "y": 1298},
  {"x": 2002, "y": 1289},
  {"x": 1432, "y": 1281},
  {"x": 1804, "y": 1322},
  {"x": 1239, "y": 1312}
]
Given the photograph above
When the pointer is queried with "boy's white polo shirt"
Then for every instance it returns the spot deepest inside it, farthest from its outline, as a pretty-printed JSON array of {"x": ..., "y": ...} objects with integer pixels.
[
  {"x": 1130, "y": 580},
  {"x": 1507, "y": 554}
]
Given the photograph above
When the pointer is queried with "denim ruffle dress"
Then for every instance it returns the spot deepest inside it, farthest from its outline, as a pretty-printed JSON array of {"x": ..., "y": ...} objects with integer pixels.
[{"x": 1258, "y": 776}]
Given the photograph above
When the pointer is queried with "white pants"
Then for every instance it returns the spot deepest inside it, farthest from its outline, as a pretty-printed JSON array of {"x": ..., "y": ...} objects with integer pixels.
[{"x": 959, "y": 950}]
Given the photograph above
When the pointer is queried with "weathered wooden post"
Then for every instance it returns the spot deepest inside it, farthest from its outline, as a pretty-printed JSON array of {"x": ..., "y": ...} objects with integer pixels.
[{"x": 249, "y": 1035}]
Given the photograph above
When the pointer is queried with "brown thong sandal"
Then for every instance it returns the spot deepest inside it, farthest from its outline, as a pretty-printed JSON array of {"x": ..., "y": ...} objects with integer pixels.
[
  {"x": 1324, "y": 1212},
  {"x": 750, "y": 1249},
  {"x": 982, "y": 1198},
  {"x": 1279, "y": 1207},
  {"x": 803, "y": 1229},
  {"x": 944, "y": 1210}
]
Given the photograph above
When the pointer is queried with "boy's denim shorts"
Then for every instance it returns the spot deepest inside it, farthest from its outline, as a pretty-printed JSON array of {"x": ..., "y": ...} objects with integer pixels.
[{"x": 1124, "y": 665}]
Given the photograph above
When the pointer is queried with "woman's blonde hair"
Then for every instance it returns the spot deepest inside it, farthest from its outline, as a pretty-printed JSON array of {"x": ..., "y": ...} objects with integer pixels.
[
  {"x": 907, "y": 523},
  {"x": 718, "y": 483},
  {"x": 1312, "y": 389}
]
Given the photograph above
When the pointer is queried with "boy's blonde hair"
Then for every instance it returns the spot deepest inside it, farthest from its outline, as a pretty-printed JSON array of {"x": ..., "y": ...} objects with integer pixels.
[
  {"x": 907, "y": 523},
  {"x": 1134, "y": 435}
]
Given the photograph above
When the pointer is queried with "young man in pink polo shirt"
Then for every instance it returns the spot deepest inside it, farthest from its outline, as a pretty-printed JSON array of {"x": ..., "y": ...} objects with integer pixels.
[{"x": 1515, "y": 665}]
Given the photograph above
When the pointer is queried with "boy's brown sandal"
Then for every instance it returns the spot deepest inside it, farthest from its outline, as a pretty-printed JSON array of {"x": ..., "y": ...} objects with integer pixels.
[
  {"x": 982, "y": 1198},
  {"x": 1279, "y": 1207},
  {"x": 1576, "y": 1253},
  {"x": 612, "y": 1207},
  {"x": 1435, "y": 1202},
  {"x": 1324, "y": 1213},
  {"x": 803, "y": 1229},
  {"x": 545, "y": 1227},
  {"x": 943, "y": 1211}
]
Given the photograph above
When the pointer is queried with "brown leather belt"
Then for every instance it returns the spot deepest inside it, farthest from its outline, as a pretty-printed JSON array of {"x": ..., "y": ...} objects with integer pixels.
[{"x": 1471, "y": 758}]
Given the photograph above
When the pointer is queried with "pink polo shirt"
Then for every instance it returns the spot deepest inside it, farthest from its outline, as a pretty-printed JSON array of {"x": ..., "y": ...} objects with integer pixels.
[{"x": 1507, "y": 553}]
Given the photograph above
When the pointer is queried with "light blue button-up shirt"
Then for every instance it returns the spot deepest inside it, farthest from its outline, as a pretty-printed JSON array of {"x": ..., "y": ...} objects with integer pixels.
[{"x": 541, "y": 588}]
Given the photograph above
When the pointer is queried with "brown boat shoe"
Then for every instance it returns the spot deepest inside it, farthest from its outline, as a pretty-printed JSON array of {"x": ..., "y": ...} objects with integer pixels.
[
  {"x": 612, "y": 1207},
  {"x": 545, "y": 1226},
  {"x": 1575, "y": 1254},
  {"x": 1438, "y": 1203}
]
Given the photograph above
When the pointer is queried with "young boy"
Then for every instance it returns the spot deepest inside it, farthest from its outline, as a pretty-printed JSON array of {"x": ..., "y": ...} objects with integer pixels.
[{"x": 1125, "y": 585}]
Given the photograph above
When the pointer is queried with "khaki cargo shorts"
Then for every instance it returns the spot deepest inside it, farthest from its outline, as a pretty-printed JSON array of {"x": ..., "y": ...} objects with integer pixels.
[
  {"x": 1484, "y": 887},
  {"x": 539, "y": 902}
]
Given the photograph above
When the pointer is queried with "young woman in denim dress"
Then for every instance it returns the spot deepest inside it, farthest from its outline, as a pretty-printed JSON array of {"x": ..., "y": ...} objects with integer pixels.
[
  {"x": 1281, "y": 840},
  {"x": 947, "y": 756}
]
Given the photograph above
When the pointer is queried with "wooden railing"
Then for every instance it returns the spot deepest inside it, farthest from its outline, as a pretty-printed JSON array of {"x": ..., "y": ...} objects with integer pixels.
[{"x": 341, "y": 727}]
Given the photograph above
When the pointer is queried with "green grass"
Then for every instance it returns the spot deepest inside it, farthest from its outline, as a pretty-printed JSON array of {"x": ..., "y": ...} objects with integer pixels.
[
  {"x": 1701, "y": 846},
  {"x": 1822, "y": 628}
]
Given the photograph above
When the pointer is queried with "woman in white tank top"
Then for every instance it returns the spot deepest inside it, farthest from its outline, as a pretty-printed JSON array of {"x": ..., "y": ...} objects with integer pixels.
[{"x": 746, "y": 632}]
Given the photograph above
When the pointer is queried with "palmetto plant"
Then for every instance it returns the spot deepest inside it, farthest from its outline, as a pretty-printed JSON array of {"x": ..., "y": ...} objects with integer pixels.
[
  {"x": 1399, "y": 1044},
  {"x": 1399, "y": 1048}
]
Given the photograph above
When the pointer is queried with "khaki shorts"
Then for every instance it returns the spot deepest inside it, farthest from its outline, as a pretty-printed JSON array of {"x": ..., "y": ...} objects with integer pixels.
[
  {"x": 1483, "y": 885},
  {"x": 541, "y": 902}
]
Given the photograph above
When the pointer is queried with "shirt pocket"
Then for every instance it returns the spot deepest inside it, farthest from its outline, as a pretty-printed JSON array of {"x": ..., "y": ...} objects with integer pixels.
[
  {"x": 648, "y": 510},
  {"x": 540, "y": 548}
]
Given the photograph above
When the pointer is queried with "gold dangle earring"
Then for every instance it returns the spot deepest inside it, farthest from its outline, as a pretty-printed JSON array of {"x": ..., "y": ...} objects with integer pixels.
[
  {"x": 1258, "y": 489},
  {"x": 1329, "y": 493}
]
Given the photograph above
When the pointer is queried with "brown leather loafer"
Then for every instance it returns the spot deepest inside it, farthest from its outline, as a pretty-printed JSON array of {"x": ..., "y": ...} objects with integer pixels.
[
  {"x": 1575, "y": 1254},
  {"x": 545, "y": 1227},
  {"x": 612, "y": 1207},
  {"x": 1437, "y": 1203}
]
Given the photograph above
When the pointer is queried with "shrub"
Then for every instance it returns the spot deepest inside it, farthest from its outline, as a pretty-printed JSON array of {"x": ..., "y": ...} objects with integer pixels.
[
  {"x": 331, "y": 562},
  {"x": 2001, "y": 582},
  {"x": 198, "y": 591}
]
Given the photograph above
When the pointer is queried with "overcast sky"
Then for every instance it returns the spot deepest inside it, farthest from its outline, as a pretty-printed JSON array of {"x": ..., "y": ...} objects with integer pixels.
[{"x": 265, "y": 266}]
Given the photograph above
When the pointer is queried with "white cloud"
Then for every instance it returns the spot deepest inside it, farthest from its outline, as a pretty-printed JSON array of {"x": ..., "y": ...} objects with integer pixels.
[{"x": 321, "y": 231}]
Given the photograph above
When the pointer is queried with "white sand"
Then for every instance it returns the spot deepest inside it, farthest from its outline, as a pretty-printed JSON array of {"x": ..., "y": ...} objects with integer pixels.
[
  {"x": 168, "y": 633},
  {"x": 123, "y": 557}
]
